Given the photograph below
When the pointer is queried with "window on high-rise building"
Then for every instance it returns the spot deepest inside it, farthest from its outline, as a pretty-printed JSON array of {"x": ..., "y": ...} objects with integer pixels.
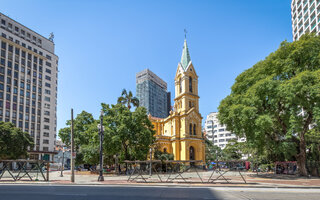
[
  {"x": 45, "y": 134},
  {"x": 3, "y": 45}
]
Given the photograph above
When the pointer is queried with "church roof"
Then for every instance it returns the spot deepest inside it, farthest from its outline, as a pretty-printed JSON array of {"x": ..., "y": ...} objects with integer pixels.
[{"x": 185, "y": 58}]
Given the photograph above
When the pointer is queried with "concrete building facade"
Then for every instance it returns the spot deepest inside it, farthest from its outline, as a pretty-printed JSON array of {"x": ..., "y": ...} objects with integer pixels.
[
  {"x": 305, "y": 15},
  {"x": 152, "y": 93},
  {"x": 28, "y": 84},
  {"x": 218, "y": 133}
]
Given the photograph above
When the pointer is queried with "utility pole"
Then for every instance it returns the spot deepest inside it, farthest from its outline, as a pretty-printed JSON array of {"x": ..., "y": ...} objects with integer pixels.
[
  {"x": 72, "y": 148},
  {"x": 101, "y": 178}
]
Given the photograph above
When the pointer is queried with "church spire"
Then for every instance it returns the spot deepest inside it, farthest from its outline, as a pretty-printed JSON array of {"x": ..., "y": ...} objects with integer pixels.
[{"x": 185, "y": 58}]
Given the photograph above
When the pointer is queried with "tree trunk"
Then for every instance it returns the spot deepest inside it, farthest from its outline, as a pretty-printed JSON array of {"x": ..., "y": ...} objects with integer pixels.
[
  {"x": 301, "y": 157},
  {"x": 314, "y": 171}
]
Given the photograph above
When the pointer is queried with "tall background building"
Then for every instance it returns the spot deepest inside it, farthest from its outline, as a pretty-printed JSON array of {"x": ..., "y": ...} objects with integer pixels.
[
  {"x": 152, "y": 94},
  {"x": 305, "y": 16},
  {"x": 217, "y": 133},
  {"x": 28, "y": 84}
]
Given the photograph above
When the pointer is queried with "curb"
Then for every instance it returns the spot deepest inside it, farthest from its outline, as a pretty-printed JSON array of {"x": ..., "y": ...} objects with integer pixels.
[{"x": 160, "y": 185}]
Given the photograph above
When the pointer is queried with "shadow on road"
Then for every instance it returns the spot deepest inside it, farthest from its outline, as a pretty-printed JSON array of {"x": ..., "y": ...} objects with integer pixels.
[{"x": 18, "y": 192}]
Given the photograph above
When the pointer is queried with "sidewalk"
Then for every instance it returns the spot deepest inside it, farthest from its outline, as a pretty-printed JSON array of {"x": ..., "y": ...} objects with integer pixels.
[{"x": 252, "y": 180}]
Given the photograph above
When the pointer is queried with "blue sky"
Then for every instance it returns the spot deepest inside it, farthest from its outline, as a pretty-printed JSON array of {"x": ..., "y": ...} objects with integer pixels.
[{"x": 102, "y": 44}]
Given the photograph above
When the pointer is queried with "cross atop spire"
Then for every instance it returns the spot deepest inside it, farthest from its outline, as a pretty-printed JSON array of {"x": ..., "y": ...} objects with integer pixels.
[
  {"x": 185, "y": 58},
  {"x": 185, "y": 34}
]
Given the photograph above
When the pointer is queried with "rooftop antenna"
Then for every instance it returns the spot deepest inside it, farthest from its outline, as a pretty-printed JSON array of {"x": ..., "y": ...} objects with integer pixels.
[{"x": 51, "y": 36}]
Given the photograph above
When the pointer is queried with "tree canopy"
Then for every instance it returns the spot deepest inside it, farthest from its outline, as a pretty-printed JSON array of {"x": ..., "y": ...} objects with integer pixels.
[
  {"x": 14, "y": 143},
  {"x": 274, "y": 103},
  {"x": 128, "y": 134},
  {"x": 212, "y": 152},
  {"x": 127, "y": 99}
]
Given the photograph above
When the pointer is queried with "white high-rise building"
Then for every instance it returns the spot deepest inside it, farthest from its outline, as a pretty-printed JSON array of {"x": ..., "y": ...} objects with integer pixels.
[
  {"x": 217, "y": 133},
  {"x": 305, "y": 16},
  {"x": 28, "y": 84}
]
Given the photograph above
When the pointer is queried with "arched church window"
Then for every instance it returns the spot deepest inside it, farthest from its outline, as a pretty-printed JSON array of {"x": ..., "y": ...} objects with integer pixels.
[
  {"x": 180, "y": 86},
  {"x": 194, "y": 130},
  {"x": 190, "y": 129},
  {"x": 190, "y": 84},
  {"x": 165, "y": 150}
]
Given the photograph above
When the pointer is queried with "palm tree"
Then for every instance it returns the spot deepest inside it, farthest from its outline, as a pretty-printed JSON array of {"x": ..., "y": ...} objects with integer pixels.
[{"x": 127, "y": 99}]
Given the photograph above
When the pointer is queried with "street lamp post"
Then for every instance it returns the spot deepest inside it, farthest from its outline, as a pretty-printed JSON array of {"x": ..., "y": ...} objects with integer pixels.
[
  {"x": 62, "y": 164},
  {"x": 101, "y": 178},
  {"x": 150, "y": 168}
]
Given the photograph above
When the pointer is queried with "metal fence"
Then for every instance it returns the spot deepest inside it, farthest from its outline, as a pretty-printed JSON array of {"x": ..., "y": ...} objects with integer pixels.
[
  {"x": 30, "y": 170},
  {"x": 187, "y": 171}
]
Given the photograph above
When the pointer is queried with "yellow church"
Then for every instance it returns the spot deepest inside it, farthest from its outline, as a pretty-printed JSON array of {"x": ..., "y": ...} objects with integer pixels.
[{"x": 180, "y": 133}]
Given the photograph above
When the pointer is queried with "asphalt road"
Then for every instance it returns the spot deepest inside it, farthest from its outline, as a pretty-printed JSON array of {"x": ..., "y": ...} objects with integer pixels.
[{"x": 37, "y": 192}]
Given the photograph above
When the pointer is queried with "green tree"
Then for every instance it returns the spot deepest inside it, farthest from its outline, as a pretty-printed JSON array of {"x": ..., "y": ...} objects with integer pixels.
[
  {"x": 274, "y": 102},
  {"x": 313, "y": 144},
  {"x": 163, "y": 156},
  {"x": 81, "y": 124},
  {"x": 212, "y": 152},
  {"x": 85, "y": 137},
  {"x": 313, "y": 149},
  {"x": 127, "y": 99},
  {"x": 233, "y": 150},
  {"x": 128, "y": 134},
  {"x": 14, "y": 143}
]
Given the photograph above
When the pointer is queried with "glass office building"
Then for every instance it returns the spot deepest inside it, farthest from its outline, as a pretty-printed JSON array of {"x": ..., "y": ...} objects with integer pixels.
[{"x": 152, "y": 94}]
